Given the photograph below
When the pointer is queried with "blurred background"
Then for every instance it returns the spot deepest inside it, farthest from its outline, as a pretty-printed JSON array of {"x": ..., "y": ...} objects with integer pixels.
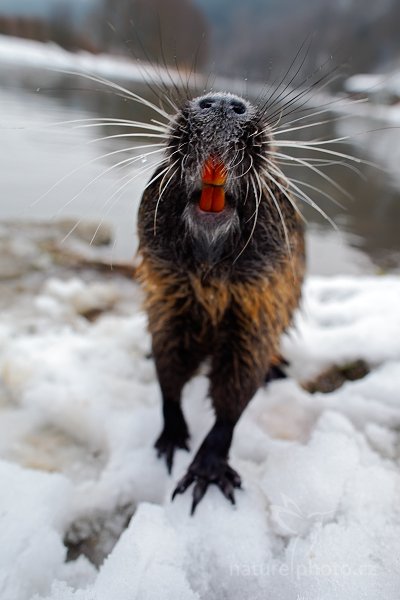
[{"x": 55, "y": 167}]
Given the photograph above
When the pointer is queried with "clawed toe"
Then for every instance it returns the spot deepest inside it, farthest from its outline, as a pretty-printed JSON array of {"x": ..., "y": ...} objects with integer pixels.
[
  {"x": 167, "y": 444},
  {"x": 220, "y": 474}
]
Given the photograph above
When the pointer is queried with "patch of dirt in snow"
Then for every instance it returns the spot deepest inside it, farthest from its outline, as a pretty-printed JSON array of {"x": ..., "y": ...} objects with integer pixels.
[{"x": 49, "y": 448}]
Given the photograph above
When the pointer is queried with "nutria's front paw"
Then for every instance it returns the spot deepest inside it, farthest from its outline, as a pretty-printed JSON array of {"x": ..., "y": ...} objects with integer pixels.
[
  {"x": 169, "y": 441},
  {"x": 205, "y": 470}
]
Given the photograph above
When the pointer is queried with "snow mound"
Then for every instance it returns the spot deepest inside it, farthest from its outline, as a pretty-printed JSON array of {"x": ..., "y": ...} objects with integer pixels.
[{"x": 319, "y": 515}]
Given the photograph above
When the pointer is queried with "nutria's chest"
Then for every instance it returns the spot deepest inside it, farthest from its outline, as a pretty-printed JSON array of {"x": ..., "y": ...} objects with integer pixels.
[
  {"x": 245, "y": 254},
  {"x": 203, "y": 300}
]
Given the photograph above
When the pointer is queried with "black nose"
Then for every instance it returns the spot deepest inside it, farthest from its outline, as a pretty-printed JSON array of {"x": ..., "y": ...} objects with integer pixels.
[{"x": 218, "y": 102}]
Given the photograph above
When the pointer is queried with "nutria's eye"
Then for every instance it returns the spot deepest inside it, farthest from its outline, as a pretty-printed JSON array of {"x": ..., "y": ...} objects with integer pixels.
[
  {"x": 206, "y": 103},
  {"x": 238, "y": 107}
]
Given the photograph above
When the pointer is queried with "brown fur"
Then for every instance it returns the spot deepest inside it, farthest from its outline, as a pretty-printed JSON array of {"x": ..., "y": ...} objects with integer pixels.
[{"x": 263, "y": 306}]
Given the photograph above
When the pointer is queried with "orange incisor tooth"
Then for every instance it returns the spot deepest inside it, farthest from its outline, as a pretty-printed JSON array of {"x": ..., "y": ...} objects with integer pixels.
[
  {"x": 206, "y": 198},
  {"x": 218, "y": 199},
  {"x": 212, "y": 198}
]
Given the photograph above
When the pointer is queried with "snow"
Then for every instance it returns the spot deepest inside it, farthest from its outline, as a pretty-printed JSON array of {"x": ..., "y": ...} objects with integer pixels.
[
  {"x": 374, "y": 84},
  {"x": 32, "y": 54},
  {"x": 319, "y": 515},
  {"x": 32, "y": 547},
  {"x": 382, "y": 90}
]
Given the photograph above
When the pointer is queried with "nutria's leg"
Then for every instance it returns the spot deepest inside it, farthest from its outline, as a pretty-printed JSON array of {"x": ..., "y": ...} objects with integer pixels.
[
  {"x": 239, "y": 364},
  {"x": 176, "y": 358},
  {"x": 174, "y": 434},
  {"x": 275, "y": 372},
  {"x": 276, "y": 369},
  {"x": 210, "y": 465}
]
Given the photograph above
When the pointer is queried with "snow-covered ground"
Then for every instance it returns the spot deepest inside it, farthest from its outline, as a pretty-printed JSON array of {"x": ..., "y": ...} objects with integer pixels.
[
  {"x": 17, "y": 51},
  {"x": 319, "y": 515},
  {"x": 383, "y": 90}
]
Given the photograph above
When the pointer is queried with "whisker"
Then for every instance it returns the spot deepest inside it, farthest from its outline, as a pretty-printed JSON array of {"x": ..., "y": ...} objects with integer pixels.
[
  {"x": 234, "y": 165},
  {"x": 157, "y": 176},
  {"x": 115, "y": 86},
  {"x": 101, "y": 120},
  {"x": 283, "y": 190},
  {"x": 304, "y": 101},
  {"x": 133, "y": 135},
  {"x": 320, "y": 173},
  {"x": 247, "y": 191},
  {"x": 269, "y": 101},
  {"x": 157, "y": 122},
  {"x": 309, "y": 125},
  {"x": 322, "y": 110},
  {"x": 129, "y": 160},
  {"x": 302, "y": 98},
  {"x": 136, "y": 175},
  {"x": 306, "y": 90},
  {"x": 71, "y": 231},
  {"x": 302, "y": 195},
  {"x": 332, "y": 153},
  {"x": 133, "y": 124},
  {"x": 161, "y": 86},
  {"x": 285, "y": 231},
  {"x": 276, "y": 130},
  {"x": 161, "y": 191},
  {"x": 79, "y": 221},
  {"x": 247, "y": 170},
  {"x": 255, "y": 217},
  {"x": 89, "y": 162},
  {"x": 115, "y": 197},
  {"x": 317, "y": 189},
  {"x": 325, "y": 163},
  {"x": 316, "y": 142}
]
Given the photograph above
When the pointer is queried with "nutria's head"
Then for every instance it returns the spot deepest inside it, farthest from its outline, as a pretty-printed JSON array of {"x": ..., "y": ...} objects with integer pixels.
[{"x": 216, "y": 144}]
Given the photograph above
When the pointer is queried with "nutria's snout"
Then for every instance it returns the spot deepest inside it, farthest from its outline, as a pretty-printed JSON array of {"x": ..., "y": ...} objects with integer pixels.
[
  {"x": 217, "y": 149},
  {"x": 218, "y": 132},
  {"x": 227, "y": 104}
]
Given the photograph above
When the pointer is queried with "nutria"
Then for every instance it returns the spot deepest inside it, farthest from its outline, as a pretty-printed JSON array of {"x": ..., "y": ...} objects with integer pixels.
[{"x": 222, "y": 263}]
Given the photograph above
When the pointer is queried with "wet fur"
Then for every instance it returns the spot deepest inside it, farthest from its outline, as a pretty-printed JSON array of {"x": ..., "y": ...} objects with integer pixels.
[{"x": 224, "y": 291}]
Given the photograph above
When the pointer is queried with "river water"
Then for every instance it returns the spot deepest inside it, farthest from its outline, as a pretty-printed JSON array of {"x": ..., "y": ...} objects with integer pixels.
[{"x": 51, "y": 169}]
